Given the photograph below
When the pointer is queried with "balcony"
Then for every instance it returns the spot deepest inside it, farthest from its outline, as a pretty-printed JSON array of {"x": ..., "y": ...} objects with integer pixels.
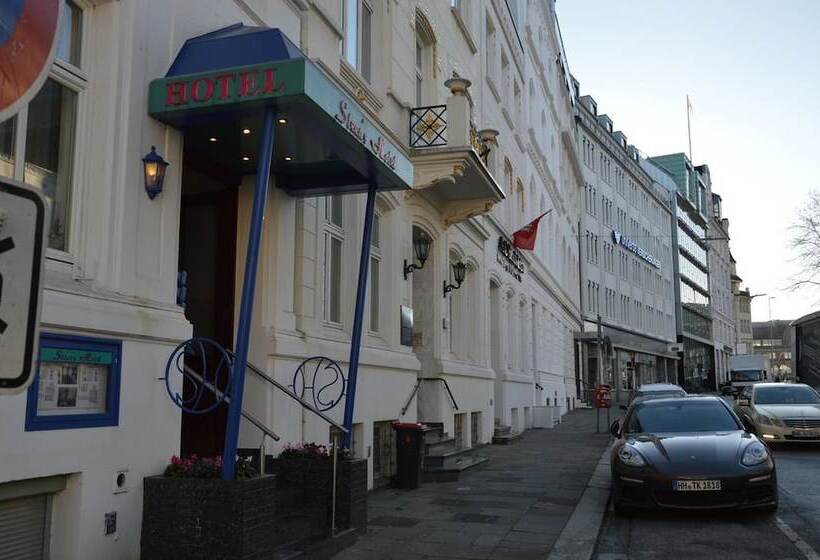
[{"x": 450, "y": 157}]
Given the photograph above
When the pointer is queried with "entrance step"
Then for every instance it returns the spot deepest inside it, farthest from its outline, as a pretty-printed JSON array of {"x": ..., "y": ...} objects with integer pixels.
[
  {"x": 452, "y": 472},
  {"x": 503, "y": 435}
]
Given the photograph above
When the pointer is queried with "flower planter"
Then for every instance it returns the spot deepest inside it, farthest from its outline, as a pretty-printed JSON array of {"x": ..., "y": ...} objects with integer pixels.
[{"x": 199, "y": 518}]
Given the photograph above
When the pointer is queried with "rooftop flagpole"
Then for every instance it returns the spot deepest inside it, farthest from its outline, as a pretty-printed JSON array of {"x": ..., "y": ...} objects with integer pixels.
[{"x": 689, "y": 126}]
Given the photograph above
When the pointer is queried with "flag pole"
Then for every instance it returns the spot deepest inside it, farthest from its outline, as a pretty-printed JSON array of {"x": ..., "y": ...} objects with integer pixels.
[{"x": 689, "y": 126}]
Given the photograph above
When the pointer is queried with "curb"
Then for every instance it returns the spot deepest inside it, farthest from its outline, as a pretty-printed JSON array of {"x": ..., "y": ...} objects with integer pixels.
[{"x": 578, "y": 539}]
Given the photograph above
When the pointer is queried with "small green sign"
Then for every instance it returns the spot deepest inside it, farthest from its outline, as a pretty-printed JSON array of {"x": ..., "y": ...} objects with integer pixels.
[{"x": 75, "y": 356}]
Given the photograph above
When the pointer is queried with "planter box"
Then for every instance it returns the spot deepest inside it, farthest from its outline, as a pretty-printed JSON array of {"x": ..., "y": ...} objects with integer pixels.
[
  {"x": 351, "y": 495},
  {"x": 310, "y": 483},
  {"x": 206, "y": 518}
]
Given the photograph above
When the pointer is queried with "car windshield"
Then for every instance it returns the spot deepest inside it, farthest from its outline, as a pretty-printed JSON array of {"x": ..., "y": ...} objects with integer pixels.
[
  {"x": 680, "y": 416},
  {"x": 746, "y": 375},
  {"x": 786, "y": 395}
]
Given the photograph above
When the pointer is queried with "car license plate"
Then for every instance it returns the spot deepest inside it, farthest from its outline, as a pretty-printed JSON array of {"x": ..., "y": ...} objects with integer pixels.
[
  {"x": 806, "y": 434},
  {"x": 696, "y": 485}
]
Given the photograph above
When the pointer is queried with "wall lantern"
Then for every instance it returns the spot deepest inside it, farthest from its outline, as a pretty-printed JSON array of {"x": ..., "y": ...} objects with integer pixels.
[
  {"x": 459, "y": 272},
  {"x": 421, "y": 247},
  {"x": 154, "y": 167}
]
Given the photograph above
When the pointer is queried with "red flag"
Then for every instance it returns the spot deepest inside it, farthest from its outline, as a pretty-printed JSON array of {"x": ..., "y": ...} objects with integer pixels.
[{"x": 524, "y": 238}]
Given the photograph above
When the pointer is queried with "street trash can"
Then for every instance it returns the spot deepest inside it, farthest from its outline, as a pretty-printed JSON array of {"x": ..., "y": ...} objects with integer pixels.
[{"x": 409, "y": 456}]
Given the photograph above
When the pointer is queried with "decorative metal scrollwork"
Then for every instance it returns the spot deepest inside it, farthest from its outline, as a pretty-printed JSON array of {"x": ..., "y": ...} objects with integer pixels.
[
  {"x": 428, "y": 126},
  {"x": 323, "y": 378},
  {"x": 207, "y": 367}
]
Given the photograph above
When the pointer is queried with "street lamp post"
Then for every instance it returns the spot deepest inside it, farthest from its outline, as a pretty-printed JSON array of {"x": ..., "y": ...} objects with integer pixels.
[{"x": 771, "y": 332}]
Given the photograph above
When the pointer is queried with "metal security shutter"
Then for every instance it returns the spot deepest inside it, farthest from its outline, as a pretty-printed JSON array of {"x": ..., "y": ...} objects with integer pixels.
[{"x": 23, "y": 528}]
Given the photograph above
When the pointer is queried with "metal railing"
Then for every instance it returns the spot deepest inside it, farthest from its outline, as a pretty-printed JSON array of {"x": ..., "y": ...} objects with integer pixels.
[
  {"x": 418, "y": 386},
  {"x": 428, "y": 126},
  {"x": 307, "y": 406}
]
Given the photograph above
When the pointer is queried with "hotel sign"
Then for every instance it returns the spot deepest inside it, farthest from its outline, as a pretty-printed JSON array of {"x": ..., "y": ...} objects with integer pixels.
[
  {"x": 225, "y": 87},
  {"x": 629, "y": 245},
  {"x": 510, "y": 259},
  {"x": 297, "y": 82}
]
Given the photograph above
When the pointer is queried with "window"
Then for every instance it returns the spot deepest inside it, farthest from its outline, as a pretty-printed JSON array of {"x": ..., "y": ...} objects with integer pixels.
[
  {"x": 45, "y": 130},
  {"x": 491, "y": 49},
  {"x": 333, "y": 241},
  {"x": 77, "y": 384},
  {"x": 357, "y": 42}
]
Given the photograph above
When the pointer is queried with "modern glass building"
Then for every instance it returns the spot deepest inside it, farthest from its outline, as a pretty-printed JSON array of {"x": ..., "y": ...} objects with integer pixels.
[{"x": 692, "y": 188}]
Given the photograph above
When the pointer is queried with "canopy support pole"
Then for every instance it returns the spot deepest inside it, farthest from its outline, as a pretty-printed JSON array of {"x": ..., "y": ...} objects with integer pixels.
[
  {"x": 358, "y": 316},
  {"x": 240, "y": 363}
]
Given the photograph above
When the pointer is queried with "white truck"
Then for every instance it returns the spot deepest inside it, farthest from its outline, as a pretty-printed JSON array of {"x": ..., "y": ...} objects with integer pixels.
[{"x": 746, "y": 369}]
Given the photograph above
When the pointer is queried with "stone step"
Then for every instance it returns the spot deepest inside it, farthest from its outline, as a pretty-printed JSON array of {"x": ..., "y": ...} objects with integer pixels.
[
  {"x": 440, "y": 446},
  {"x": 447, "y": 459},
  {"x": 507, "y": 439},
  {"x": 502, "y": 430},
  {"x": 449, "y": 474}
]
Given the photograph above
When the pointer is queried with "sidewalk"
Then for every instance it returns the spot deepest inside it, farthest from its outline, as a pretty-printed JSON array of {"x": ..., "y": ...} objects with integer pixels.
[{"x": 515, "y": 507}]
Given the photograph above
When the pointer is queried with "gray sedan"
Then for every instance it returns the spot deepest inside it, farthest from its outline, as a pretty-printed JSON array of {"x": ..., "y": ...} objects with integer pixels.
[{"x": 781, "y": 412}]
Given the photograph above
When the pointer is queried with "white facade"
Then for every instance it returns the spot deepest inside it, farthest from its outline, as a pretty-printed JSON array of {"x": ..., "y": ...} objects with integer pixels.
[
  {"x": 720, "y": 289},
  {"x": 503, "y": 345},
  {"x": 626, "y": 259}
]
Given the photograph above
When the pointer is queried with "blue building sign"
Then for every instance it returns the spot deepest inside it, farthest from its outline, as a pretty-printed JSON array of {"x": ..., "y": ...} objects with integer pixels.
[{"x": 630, "y": 245}]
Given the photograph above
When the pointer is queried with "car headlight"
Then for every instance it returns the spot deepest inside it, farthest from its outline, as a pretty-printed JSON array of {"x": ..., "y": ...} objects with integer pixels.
[
  {"x": 630, "y": 456},
  {"x": 768, "y": 420},
  {"x": 754, "y": 454}
]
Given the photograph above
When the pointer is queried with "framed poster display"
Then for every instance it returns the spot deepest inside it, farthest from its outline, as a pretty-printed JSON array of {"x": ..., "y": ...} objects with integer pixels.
[{"x": 77, "y": 383}]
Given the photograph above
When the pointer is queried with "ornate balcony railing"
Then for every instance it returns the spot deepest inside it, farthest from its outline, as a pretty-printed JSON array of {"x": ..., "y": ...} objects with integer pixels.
[{"x": 428, "y": 126}]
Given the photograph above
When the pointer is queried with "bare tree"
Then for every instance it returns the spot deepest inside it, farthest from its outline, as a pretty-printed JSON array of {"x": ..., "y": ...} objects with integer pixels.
[{"x": 805, "y": 242}]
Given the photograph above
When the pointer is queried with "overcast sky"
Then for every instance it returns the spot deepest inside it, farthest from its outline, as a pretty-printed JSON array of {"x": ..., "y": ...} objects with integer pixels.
[{"x": 751, "y": 70}]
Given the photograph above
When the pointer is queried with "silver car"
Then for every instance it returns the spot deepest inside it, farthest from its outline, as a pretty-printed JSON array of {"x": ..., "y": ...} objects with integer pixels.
[
  {"x": 781, "y": 412},
  {"x": 658, "y": 391}
]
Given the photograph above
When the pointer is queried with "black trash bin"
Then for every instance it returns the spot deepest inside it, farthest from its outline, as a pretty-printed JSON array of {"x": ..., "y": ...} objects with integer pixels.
[{"x": 409, "y": 445}]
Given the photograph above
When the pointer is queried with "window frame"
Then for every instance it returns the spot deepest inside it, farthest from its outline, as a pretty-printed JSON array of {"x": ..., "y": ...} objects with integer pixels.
[
  {"x": 332, "y": 231},
  {"x": 75, "y": 79}
]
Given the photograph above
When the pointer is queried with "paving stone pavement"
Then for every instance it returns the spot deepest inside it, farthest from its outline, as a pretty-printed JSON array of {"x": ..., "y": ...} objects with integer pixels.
[{"x": 514, "y": 507}]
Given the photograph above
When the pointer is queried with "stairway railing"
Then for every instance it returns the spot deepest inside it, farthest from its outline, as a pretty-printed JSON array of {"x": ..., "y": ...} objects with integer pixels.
[{"x": 417, "y": 386}]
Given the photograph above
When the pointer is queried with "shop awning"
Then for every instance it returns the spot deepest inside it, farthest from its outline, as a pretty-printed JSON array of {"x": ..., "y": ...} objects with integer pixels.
[{"x": 219, "y": 85}]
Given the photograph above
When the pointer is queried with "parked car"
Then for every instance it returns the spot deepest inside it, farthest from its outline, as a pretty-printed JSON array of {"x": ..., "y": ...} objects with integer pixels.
[
  {"x": 781, "y": 412},
  {"x": 657, "y": 391},
  {"x": 686, "y": 453}
]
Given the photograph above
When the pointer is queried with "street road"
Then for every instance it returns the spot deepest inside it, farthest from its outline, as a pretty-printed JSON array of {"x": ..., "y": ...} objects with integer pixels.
[{"x": 729, "y": 535}]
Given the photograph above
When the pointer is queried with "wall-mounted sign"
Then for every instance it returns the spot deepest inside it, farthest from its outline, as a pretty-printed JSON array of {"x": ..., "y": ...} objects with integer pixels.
[
  {"x": 23, "y": 228},
  {"x": 77, "y": 384},
  {"x": 510, "y": 259},
  {"x": 619, "y": 239},
  {"x": 226, "y": 86},
  {"x": 406, "y": 326}
]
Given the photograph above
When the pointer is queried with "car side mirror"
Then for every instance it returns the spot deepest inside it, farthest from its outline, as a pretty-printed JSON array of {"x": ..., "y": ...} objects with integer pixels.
[
  {"x": 615, "y": 428},
  {"x": 742, "y": 402}
]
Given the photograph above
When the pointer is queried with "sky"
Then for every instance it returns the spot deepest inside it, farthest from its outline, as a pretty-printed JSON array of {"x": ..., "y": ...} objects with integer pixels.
[{"x": 752, "y": 71}]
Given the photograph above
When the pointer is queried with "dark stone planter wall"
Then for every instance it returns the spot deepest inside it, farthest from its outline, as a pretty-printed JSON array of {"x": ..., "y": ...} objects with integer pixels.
[
  {"x": 194, "y": 518},
  {"x": 351, "y": 495},
  {"x": 190, "y": 518}
]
